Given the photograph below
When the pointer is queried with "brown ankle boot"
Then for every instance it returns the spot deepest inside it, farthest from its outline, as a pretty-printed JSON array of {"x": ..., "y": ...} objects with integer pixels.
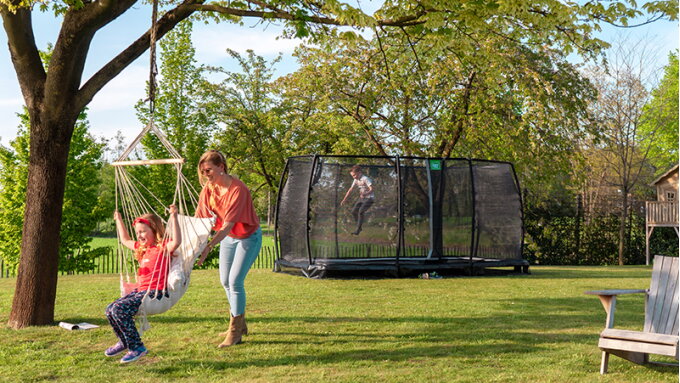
[
  {"x": 235, "y": 331},
  {"x": 245, "y": 328}
]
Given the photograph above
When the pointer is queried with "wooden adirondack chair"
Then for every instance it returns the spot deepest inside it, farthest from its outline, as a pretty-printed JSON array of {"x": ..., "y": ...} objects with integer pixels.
[{"x": 660, "y": 333}]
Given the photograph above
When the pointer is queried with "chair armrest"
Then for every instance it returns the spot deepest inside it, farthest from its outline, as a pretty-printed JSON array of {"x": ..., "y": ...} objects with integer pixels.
[{"x": 608, "y": 299}]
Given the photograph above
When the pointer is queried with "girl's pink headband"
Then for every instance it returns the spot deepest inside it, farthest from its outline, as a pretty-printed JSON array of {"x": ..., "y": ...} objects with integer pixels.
[{"x": 141, "y": 220}]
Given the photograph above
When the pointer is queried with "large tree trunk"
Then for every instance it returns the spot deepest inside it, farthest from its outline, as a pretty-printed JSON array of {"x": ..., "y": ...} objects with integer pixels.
[{"x": 36, "y": 285}]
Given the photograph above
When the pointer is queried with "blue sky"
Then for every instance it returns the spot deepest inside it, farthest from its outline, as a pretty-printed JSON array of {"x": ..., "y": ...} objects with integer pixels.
[{"x": 112, "y": 109}]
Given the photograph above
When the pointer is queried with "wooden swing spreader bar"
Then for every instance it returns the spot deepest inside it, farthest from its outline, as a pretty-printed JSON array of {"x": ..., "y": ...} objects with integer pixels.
[{"x": 149, "y": 162}]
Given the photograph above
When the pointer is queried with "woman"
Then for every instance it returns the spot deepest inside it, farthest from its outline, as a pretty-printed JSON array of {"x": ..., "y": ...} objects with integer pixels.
[{"x": 237, "y": 230}]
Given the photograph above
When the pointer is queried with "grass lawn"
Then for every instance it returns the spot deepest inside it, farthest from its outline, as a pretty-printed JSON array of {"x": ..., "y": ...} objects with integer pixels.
[{"x": 536, "y": 328}]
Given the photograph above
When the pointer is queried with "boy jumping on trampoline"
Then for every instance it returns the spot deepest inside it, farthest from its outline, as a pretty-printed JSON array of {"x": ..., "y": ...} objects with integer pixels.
[{"x": 366, "y": 196}]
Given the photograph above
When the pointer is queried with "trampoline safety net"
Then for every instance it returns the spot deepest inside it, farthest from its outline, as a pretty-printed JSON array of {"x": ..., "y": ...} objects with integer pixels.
[{"x": 401, "y": 214}]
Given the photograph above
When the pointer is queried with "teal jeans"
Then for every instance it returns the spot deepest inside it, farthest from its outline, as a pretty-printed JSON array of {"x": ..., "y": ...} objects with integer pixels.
[{"x": 236, "y": 258}]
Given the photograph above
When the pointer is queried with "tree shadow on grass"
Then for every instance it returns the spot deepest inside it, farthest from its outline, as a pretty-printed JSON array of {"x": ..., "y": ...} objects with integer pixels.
[
  {"x": 535, "y": 325},
  {"x": 516, "y": 327},
  {"x": 338, "y": 355},
  {"x": 429, "y": 338},
  {"x": 574, "y": 272},
  {"x": 548, "y": 313}
]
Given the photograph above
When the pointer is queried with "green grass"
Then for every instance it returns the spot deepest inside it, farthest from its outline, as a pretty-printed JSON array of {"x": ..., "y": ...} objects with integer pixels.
[
  {"x": 536, "y": 328},
  {"x": 103, "y": 242}
]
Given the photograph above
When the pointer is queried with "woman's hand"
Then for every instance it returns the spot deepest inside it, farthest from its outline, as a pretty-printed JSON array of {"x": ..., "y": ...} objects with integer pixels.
[
  {"x": 172, "y": 209},
  {"x": 117, "y": 216},
  {"x": 204, "y": 255}
]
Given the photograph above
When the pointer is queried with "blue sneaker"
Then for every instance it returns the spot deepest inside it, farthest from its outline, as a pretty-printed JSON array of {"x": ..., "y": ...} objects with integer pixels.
[
  {"x": 115, "y": 349},
  {"x": 133, "y": 355}
]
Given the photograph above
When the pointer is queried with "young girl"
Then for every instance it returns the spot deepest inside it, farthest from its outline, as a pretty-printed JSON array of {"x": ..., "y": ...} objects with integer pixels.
[{"x": 151, "y": 252}]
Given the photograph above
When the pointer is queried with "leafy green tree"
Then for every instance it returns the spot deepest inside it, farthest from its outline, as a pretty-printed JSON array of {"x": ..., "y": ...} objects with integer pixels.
[
  {"x": 492, "y": 98},
  {"x": 252, "y": 134},
  {"x": 56, "y": 98},
  {"x": 620, "y": 153},
  {"x": 176, "y": 113},
  {"x": 107, "y": 188},
  {"x": 660, "y": 117},
  {"x": 82, "y": 207},
  {"x": 13, "y": 170}
]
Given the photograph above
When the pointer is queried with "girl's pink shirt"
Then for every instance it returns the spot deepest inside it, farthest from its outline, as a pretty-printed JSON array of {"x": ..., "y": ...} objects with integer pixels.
[
  {"x": 233, "y": 204},
  {"x": 153, "y": 269}
]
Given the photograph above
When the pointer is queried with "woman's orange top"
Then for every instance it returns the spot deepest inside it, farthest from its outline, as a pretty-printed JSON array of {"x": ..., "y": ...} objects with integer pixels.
[{"x": 232, "y": 204}]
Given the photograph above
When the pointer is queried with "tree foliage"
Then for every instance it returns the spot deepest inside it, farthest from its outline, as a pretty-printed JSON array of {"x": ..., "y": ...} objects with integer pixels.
[
  {"x": 660, "y": 116},
  {"x": 82, "y": 207},
  {"x": 473, "y": 96},
  {"x": 176, "y": 113},
  {"x": 620, "y": 153},
  {"x": 252, "y": 133}
]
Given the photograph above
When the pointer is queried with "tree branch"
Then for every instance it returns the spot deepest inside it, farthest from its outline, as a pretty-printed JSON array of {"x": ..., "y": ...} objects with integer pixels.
[
  {"x": 365, "y": 128},
  {"x": 447, "y": 147},
  {"x": 24, "y": 52},
  {"x": 380, "y": 46},
  {"x": 131, "y": 53},
  {"x": 281, "y": 15},
  {"x": 277, "y": 13},
  {"x": 71, "y": 49}
]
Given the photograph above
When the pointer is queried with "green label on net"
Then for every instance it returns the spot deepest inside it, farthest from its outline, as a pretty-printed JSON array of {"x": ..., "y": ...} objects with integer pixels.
[{"x": 435, "y": 164}]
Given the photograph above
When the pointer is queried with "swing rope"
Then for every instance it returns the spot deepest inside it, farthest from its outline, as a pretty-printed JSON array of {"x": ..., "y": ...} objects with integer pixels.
[{"x": 134, "y": 198}]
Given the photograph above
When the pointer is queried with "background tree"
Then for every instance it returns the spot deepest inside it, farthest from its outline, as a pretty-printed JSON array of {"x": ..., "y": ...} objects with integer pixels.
[
  {"x": 176, "y": 113},
  {"x": 475, "y": 96},
  {"x": 82, "y": 207},
  {"x": 56, "y": 98},
  {"x": 660, "y": 119},
  {"x": 252, "y": 134},
  {"x": 621, "y": 152},
  {"x": 107, "y": 188}
]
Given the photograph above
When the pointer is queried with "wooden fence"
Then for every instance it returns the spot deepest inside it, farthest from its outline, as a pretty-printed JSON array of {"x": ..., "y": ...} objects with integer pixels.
[
  {"x": 110, "y": 263},
  {"x": 662, "y": 213}
]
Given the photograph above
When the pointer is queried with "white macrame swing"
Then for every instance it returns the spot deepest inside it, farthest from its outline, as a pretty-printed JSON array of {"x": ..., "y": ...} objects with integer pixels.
[{"x": 132, "y": 197}]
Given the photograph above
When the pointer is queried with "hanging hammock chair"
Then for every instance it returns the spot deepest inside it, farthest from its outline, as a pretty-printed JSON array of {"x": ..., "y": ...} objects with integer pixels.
[{"x": 134, "y": 199}]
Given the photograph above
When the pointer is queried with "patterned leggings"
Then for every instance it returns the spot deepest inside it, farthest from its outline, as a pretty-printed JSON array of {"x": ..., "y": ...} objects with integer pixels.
[{"x": 121, "y": 314}]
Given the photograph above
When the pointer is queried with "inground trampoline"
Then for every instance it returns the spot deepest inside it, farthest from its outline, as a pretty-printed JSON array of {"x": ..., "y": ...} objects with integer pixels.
[{"x": 403, "y": 215}]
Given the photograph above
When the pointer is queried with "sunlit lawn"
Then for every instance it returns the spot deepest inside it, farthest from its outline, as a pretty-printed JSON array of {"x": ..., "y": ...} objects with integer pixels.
[{"x": 535, "y": 328}]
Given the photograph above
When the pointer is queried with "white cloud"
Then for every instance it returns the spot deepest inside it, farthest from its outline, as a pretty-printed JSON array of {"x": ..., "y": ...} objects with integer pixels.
[
  {"x": 212, "y": 42},
  {"x": 123, "y": 91}
]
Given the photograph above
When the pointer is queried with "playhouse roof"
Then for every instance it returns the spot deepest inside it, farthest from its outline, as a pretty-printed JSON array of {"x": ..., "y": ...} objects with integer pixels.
[{"x": 659, "y": 178}]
